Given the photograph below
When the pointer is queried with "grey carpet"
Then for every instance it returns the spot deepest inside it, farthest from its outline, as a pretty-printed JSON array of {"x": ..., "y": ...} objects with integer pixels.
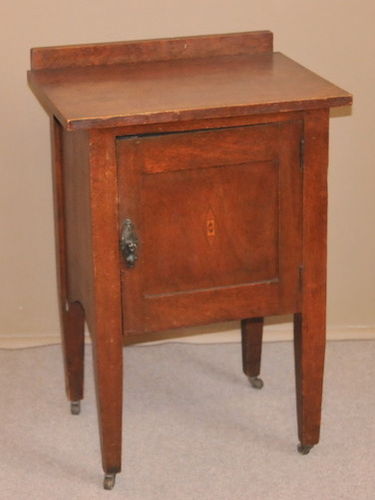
[{"x": 193, "y": 427}]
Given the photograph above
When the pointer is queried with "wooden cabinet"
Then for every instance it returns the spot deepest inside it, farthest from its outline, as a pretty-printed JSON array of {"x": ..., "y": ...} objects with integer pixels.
[{"x": 190, "y": 182}]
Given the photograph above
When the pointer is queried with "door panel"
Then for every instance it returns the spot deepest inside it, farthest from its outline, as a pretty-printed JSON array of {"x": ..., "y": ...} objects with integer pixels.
[
  {"x": 217, "y": 216},
  {"x": 212, "y": 227}
]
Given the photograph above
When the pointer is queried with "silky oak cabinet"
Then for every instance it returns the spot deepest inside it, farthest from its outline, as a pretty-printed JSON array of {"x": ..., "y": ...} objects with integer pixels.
[{"x": 190, "y": 182}]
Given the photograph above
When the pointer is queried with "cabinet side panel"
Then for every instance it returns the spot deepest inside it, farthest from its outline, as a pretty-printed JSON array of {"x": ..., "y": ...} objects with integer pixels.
[{"x": 77, "y": 215}]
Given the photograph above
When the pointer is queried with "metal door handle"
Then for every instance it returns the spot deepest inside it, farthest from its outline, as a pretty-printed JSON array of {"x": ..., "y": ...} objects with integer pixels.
[{"x": 129, "y": 243}]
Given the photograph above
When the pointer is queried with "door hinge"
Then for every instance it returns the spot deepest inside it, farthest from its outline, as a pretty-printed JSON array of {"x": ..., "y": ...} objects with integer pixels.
[
  {"x": 300, "y": 276},
  {"x": 302, "y": 153}
]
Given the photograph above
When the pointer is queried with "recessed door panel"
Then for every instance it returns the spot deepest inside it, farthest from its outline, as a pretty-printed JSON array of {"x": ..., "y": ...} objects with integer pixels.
[{"x": 213, "y": 227}]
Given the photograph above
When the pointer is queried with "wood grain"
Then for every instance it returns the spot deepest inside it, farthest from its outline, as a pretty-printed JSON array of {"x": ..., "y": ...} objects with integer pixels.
[
  {"x": 250, "y": 267},
  {"x": 310, "y": 321},
  {"x": 181, "y": 90},
  {"x": 251, "y": 342},
  {"x": 72, "y": 315},
  {"x": 217, "y": 148},
  {"x": 107, "y": 330},
  {"x": 202, "y": 149},
  {"x": 78, "y": 221},
  {"x": 253, "y": 42}
]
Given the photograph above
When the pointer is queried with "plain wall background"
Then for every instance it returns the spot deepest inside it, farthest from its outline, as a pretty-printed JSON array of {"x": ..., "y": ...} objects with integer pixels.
[{"x": 334, "y": 38}]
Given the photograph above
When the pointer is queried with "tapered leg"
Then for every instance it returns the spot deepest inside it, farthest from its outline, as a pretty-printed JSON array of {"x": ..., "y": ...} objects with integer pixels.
[
  {"x": 107, "y": 323},
  {"x": 310, "y": 321},
  {"x": 108, "y": 376},
  {"x": 309, "y": 343},
  {"x": 252, "y": 334},
  {"x": 73, "y": 321}
]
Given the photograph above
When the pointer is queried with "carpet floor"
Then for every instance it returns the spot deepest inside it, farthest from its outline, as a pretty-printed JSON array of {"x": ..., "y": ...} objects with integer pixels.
[{"x": 193, "y": 427}]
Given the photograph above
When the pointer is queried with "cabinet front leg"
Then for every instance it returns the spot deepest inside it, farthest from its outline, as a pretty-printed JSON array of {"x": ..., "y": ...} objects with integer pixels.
[
  {"x": 107, "y": 317},
  {"x": 252, "y": 335},
  {"x": 309, "y": 348},
  {"x": 310, "y": 321},
  {"x": 107, "y": 355}
]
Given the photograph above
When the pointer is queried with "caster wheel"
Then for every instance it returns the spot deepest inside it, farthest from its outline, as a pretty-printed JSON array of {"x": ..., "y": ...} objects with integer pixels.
[
  {"x": 256, "y": 382},
  {"x": 75, "y": 407},
  {"x": 109, "y": 481},
  {"x": 304, "y": 449}
]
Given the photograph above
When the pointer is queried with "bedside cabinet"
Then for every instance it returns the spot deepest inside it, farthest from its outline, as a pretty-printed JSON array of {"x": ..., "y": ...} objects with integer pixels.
[{"x": 190, "y": 179}]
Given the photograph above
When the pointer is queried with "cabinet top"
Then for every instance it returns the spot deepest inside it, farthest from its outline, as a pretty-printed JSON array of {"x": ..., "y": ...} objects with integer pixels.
[{"x": 158, "y": 81}]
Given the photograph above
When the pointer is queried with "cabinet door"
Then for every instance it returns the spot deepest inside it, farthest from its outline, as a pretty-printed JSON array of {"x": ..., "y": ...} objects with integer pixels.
[{"x": 217, "y": 218}]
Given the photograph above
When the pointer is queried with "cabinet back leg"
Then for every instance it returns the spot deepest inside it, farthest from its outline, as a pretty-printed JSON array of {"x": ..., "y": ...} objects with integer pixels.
[
  {"x": 72, "y": 314},
  {"x": 73, "y": 322},
  {"x": 252, "y": 335}
]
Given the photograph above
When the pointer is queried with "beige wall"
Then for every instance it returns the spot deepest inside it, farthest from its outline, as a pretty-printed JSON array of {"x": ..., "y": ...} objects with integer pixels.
[{"x": 332, "y": 37}]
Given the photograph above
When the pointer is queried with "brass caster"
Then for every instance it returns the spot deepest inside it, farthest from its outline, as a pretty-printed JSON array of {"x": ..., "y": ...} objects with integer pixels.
[
  {"x": 304, "y": 449},
  {"x": 109, "y": 481},
  {"x": 75, "y": 407},
  {"x": 256, "y": 382}
]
